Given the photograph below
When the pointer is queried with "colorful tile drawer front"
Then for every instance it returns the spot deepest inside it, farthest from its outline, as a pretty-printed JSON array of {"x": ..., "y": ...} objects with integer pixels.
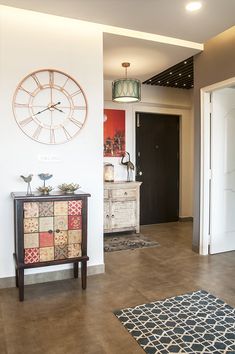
[
  {"x": 30, "y": 225},
  {"x": 75, "y": 207},
  {"x": 46, "y": 209},
  {"x": 60, "y": 208},
  {"x": 31, "y": 255},
  {"x": 46, "y": 239},
  {"x": 61, "y": 252},
  {"x": 75, "y": 222},
  {"x": 46, "y": 254},
  {"x": 46, "y": 224},
  {"x": 74, "y": 250},
  {"x": 74, "y": 236},
  {"x": 61, "y": 222},
  {"x": 31, "y": 210},
  {"x": 61, "y": 238},
  {"x": 31, "y": 240}
]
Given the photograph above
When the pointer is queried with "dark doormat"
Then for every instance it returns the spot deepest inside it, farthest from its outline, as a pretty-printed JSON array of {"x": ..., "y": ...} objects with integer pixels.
[
  {"x": 192, "y": 323},
  {"x": 120, "y": 242}
]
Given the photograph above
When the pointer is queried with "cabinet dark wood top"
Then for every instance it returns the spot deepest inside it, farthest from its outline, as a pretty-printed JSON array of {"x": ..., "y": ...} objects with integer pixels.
[{"x": 55, "y": 195}]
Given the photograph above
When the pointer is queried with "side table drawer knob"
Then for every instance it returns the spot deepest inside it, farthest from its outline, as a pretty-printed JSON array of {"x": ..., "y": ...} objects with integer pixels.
[{"x": 50, "y": 231}]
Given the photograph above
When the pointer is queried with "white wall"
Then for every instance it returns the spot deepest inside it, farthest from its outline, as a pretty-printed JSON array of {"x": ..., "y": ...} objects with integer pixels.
[
  {"x": 161, "y": 100},
  {"x": 30, "y": 41}
]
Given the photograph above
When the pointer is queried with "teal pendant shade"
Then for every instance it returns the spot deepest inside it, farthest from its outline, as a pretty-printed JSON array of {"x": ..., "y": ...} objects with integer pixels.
[{"x": 126, "y": 90}]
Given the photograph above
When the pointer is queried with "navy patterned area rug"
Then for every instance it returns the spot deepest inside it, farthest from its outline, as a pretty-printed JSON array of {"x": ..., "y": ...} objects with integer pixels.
[{"x": 193, "y": 323}]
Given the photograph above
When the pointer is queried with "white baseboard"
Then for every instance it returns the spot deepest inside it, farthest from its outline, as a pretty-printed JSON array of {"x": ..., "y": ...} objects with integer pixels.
[{"x": 45, "y": 277}]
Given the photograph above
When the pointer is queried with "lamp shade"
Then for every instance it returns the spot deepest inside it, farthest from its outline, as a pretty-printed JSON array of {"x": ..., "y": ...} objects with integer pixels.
[{"x": 126, "y": 90}]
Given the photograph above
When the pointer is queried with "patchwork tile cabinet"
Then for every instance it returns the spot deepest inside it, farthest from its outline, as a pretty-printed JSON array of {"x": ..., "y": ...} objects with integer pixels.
[
  {"x": 121, "y": 206},
  {"x": 50, "y": 230}
]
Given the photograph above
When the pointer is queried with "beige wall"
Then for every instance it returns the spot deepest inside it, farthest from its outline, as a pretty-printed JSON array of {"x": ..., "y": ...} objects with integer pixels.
[
  {"x": 156, "y": 99},
  {"x": 215, "y": 64},
  {"x": 71, "y": 46}
]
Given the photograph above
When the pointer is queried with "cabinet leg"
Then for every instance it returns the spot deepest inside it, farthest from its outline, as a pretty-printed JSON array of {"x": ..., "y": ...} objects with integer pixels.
[
  {"x": 16, "y": 277},
  {"x": 84, "y": 273},
  {"x": 75, "y": 269},
  {"x": 21, "y": 284}
]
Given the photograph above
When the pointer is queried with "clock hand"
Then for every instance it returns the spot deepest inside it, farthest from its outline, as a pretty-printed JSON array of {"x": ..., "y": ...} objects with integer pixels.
[
  {"x": 60, "y": 110},
  {"x": 51, "y": 106},
  {"x": 42, "y": 111}
]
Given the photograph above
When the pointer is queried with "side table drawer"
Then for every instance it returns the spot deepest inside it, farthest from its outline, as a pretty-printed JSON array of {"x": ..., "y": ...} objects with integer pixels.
[{"x": 123, "y": 193}]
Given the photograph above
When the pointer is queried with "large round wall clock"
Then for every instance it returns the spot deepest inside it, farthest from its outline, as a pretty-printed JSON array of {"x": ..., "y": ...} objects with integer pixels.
[{"x": 50, "y": 106}]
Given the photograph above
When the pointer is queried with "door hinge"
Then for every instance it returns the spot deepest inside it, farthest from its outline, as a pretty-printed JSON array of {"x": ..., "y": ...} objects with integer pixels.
[
  {"x": 210, "y": 100},
  {"x": 209, "y": 240},
  {"x": 138, "y": 120},
  {"x": 210, "y": 174}
]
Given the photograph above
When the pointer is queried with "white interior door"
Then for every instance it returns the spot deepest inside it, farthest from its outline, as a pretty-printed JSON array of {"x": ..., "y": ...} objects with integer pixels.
[{"x": 222, "y": 200}]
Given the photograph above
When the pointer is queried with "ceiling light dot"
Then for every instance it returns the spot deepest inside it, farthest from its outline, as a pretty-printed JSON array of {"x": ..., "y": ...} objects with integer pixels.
[
  {"x": 185, "y": 62},
  {"x": 171, "y": 73},
  {"x": 159, "y": 81},
  {"x": 189, "y": 75},
  {"x": 176, "y": 83},
  {"x": 184, "y": 84},
  {"x": 193, "y": 6},
  {"x": 167, "y": 82},
  {"x": 180, "y": 74}
]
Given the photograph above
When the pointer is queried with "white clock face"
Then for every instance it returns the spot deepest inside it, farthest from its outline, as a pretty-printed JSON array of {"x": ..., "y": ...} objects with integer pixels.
[{"x": 49, "y": 106}]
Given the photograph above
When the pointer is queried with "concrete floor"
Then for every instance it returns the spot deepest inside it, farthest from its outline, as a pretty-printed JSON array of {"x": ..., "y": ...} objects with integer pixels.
[{"x": 59, "y": 317}]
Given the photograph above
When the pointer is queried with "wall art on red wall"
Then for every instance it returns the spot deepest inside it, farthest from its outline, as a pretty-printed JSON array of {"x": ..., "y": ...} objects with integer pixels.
[{"x": 114, "y": 132}]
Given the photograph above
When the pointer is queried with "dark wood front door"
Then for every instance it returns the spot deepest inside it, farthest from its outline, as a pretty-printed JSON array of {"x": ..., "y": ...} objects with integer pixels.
[{"x": 157, "y": 167}]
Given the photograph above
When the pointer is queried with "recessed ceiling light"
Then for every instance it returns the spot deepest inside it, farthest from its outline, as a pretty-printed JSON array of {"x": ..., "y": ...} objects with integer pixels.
[{"x": 193, "y": 5}]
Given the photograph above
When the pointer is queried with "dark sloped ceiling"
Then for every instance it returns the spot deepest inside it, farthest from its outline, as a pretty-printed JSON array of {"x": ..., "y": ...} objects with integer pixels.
[{"x": 178, "y": 76}]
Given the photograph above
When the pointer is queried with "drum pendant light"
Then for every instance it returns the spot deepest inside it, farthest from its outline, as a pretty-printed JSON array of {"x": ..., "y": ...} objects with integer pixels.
[{"x": 126, "y": 90}]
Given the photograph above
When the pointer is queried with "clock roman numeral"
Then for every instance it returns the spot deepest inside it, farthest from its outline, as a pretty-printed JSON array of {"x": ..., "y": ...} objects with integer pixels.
[
  {"x": 51, "y": 78},
  {"x": 35, "y": 78},
  {"x": 23, "y": 89},
  {"x": 22, "y": 105},
  {"x": 52, "y": 136},
  {"x": 76, "y": 93},
  {"x": 64, "y": 84},
  {"x": 66, "y": 133},
  {"x": 76, "y": 122},
  {"x": 80, "y": 107},
  {"x": 26, "y": 121},
  {"x": 37, "y": 132}
]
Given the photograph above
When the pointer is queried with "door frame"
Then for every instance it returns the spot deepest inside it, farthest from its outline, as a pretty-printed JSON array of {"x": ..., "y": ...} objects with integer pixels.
[
  {"x": 182, "y": 112},
  {"x": 205, "y": 162}
]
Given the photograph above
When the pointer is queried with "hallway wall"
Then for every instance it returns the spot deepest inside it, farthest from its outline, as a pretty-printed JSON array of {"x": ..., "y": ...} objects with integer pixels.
[
  {"x": 214, "y": 64},
  {"x": 156, "y": 99}
]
